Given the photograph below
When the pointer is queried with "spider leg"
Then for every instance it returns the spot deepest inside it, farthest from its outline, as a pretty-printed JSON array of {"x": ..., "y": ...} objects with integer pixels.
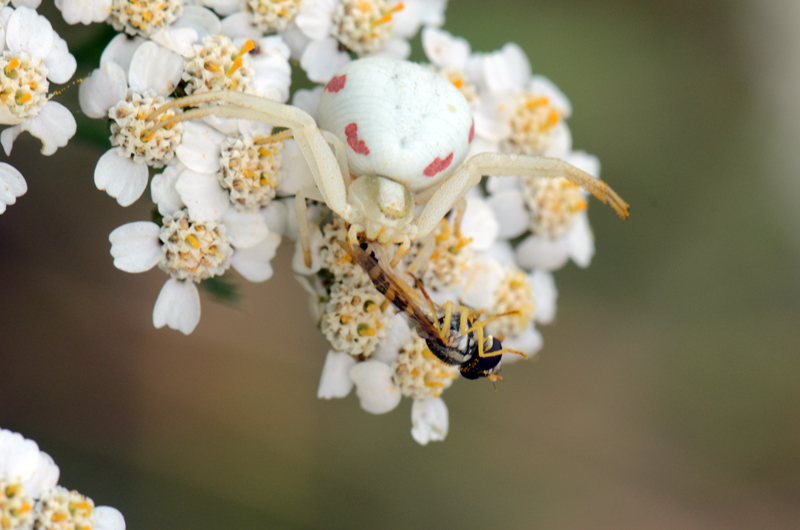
[
  {"x": 302, "y": 218},
  {"x": 468, "y": 175},
  {"x": 325, "y": 166}
]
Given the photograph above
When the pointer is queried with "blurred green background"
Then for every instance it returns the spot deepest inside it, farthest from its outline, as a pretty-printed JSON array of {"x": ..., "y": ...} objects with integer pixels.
[{"x": 667, "y": 395}]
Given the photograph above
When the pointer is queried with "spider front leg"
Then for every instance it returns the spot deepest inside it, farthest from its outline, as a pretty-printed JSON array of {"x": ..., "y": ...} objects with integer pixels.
[
  {"x": 302, "y": 219},
  {"x": 505, "y": 165},
  {"x": 326, "y": 167}
]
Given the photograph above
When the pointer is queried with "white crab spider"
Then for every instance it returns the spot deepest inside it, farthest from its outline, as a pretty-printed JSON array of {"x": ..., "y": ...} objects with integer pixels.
[{"x": 402, "y": 132}]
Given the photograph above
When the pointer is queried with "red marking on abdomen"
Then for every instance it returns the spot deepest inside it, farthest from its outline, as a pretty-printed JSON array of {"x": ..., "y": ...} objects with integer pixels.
[
  {"x": 438, "y": 165},
  {"x": 472, "y": 131},
  {"x": 337, "y": 83},
  {"x": 351, "y": 131}
]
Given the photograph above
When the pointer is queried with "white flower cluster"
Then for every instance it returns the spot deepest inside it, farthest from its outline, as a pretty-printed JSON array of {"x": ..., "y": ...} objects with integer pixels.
[
  {"x": 31, "y": 499},
  {"x": 225, "y": 189},
  {"x": 33, "y": 56}
]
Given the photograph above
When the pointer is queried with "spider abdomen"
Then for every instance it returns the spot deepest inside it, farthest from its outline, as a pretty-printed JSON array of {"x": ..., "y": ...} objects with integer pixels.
[{"x": 398, "y": 120}]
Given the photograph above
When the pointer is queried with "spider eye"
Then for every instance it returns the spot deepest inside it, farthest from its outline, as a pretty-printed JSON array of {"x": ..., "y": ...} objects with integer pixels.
[{"x": 378, "y": 196}]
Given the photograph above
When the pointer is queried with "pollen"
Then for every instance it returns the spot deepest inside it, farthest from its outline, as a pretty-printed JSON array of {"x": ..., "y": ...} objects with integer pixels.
[
  {"x": 364, "y": 26},
  {"x": 16, "y": 505},
  {"x": 130, "y": 130},
  {"x": 192, "y": 250},
  {"x": 61, "y": 509},
  {"x": 250, "y": 170},
  {"x": 419, "y": 373},
  {"x": 553, "y": 204},
  {"x": 271, "y": 16},
  {"x": 143, "y": 17},
  {"x": 23, "y": 84},
  {"x": 219, "y": 65},
  {"x": 532, "y": 124}
]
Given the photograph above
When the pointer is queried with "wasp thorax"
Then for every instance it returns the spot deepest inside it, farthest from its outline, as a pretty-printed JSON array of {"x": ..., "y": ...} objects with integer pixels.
[{"x": 381, "y": 199}]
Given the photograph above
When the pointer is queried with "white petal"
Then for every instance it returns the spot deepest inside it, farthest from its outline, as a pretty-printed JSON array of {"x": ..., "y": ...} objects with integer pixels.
[
  {"x": 178, "y": 306},
  {"x": 537, "y": 252},
  {"x": 135, "y": 247},
  {"x": 396, "y": 48},
  {"x": 275, "y": 217},
  {"x": 270, "y": 62},
  {"x": 490, "y": 121},
  {"x": 227, "y": 126},
  {"x": 480, "y": 223},
  {"x": 505, "y": 71},
  {"x": 406, "y": 22},
  {"x": 429, "y": 420},
  {"x": 308, "y": 100},
  {"x": 108, "y": 518},
  {"x": 433, "y": 12},
  {"x": 103, "y": 89},
  {"x": 202, "y": 195},
  {"x": 200, "y": 19},
  {"x": 528, "y": 342},
  {"x": 29, "y": 32},
  {"x": 335, "y": 381},
  {"x": 12, "y": 185},
  {"x": 200, "y": 147},
  {"x": 482, "y": 282},
  {"x": 503, "y": 252},
  {"x": 120, "y": 50},
  {"x": 33, "y": 4},
  {"x": 497, "y": 184},
  {"x": 546, "y": 294},
  {"x": 154, "y": 67},
  {"x": 254, "y": 263},
  {"x": 512, "y": 215},
  {"x": 223, "y": 7},
  {"x": 581, "y": 241},
  {"x": 294, "y": 173},
  {"x": 315, "y": 18},
  {"x": 539, "y": 84},
  {"x": 8, "y": 136},
  {"x": 163, "y": 192},
  {"x": 60, "y": 63},
  {"x": 121, "y": 178},
  {"x": 296, "y": 40},
  {"x": 178, "y": 40},
  {"x": 444, "y": 50},
  {"x": 240, "y": 25},
  {"x": 560, "y": 142},
  {"x": 84, "y": 11},
  {"x": 246, "y": 229},
  {"x": 44, "y": 478},
  {"x": 398, "y": 334},
  {"x": 375, "y": 387},
  {"x": 322, "y": 59},
  {"x": 54, "y": 126}
]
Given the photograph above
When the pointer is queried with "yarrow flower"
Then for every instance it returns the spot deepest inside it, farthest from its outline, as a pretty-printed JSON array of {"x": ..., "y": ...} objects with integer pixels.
[
  {"x": 33, "y": 55},
  {"x": 363, "y": 27},
  {"x": 31, "y": 498}
]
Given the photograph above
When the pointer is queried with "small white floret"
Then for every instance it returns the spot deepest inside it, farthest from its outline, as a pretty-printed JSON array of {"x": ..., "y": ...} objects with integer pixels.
[
  {"x": 335, "y": 380},
  {"x": 178, "y": 306},
  {"x": 121, "y": 178},
  {"x": 246, "y": 229},
  {"x": 12, "y": 185},
  {"x": 375, "y": 387},
  {"x": 136, "y": 247},
  {"x": 202, "y": 195},
  {"x": 108, "y": 518},
  {"x": 103, "y": 89},
  {"x": 254, "y": 263},
  {"x": 429, "y": 420}
]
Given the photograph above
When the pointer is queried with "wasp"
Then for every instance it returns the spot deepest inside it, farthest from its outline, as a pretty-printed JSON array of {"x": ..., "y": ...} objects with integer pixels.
[{"x": 453, "y": 333}]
